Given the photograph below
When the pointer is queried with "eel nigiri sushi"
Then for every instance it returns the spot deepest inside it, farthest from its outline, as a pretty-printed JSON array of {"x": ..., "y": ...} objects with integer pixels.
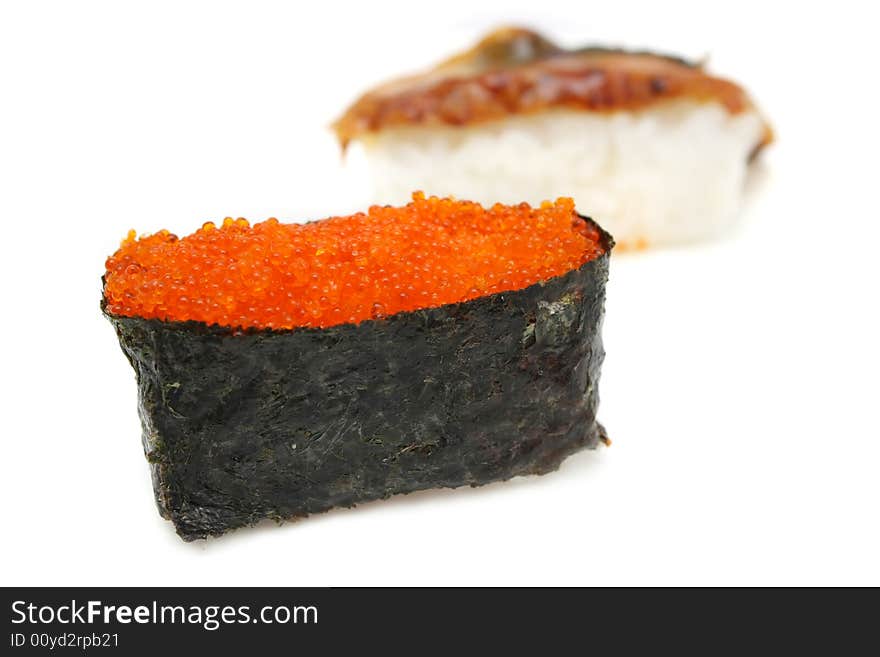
[
  {"x": 286, "y": 369},
  {"x": 656, "y": 147}
]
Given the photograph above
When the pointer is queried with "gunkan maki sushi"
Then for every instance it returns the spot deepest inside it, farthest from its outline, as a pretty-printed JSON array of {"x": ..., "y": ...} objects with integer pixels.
[{"x": 286, "y": 369}]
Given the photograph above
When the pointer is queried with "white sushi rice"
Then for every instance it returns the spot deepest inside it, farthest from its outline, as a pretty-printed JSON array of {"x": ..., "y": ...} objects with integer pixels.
[{"x": 671, "y": 174}]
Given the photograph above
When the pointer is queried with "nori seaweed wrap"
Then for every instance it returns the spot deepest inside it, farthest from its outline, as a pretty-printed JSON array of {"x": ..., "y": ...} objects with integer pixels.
[{"x": 242, "y": 424}]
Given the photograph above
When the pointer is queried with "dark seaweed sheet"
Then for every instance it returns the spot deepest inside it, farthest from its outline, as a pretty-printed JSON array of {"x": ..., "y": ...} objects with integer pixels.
[{"x": 239, "y": 426}]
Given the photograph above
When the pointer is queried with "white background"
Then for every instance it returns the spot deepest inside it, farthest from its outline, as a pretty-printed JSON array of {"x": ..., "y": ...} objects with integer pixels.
[{"x": 741, "y": 381}]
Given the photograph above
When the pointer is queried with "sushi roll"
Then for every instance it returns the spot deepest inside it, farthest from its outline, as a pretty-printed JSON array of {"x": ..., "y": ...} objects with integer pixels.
[
  {"x": 656, "y": 147},
  {"x": 287, "y": 369}
]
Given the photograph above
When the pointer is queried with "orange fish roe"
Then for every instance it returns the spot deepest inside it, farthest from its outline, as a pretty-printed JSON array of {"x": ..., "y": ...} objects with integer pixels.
[{"x": 428, "y": 253}]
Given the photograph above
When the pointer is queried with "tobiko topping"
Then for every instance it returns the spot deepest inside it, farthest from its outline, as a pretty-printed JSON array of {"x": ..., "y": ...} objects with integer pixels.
[{"x": 430, "y": 252}]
